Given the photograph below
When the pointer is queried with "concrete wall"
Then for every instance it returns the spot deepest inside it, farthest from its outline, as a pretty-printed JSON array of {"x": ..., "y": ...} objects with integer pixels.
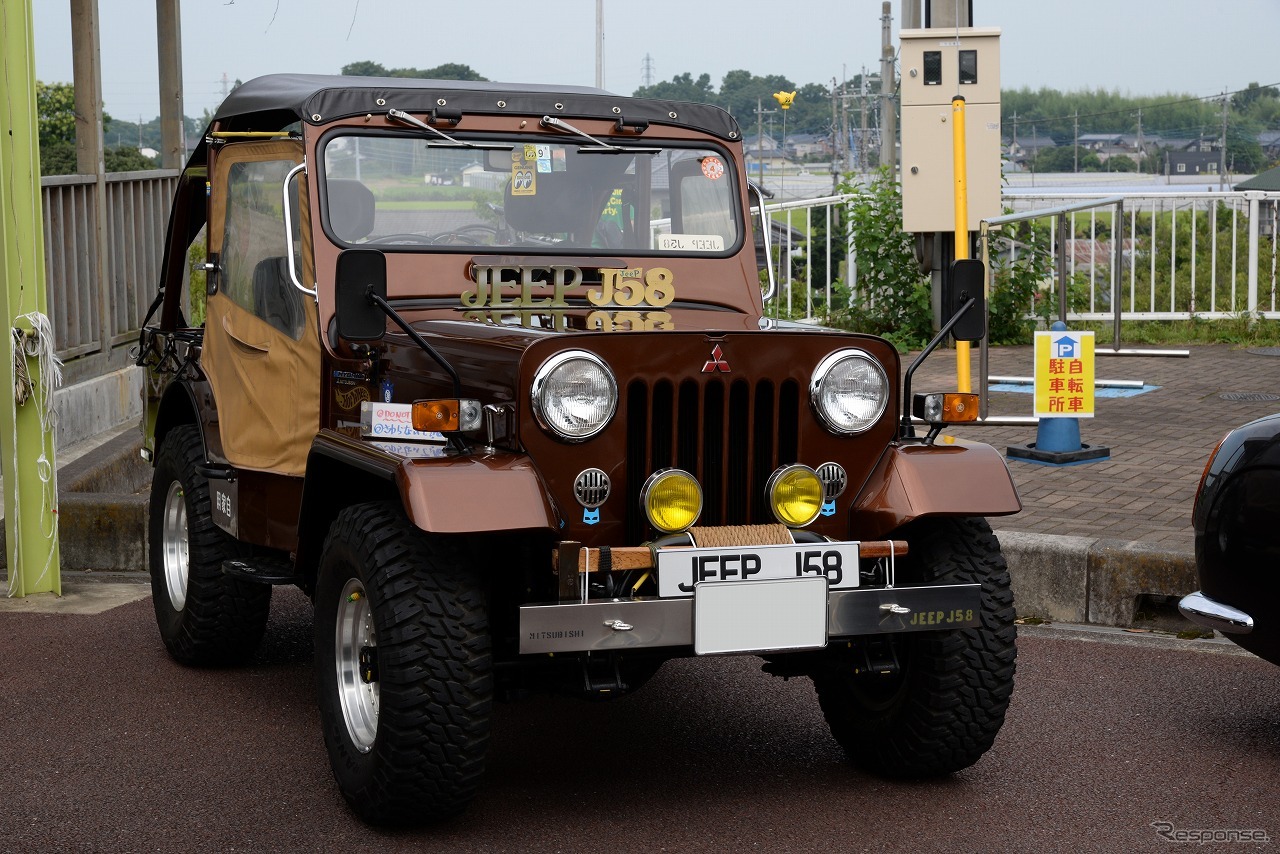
[{"x": 97, "y": 406}]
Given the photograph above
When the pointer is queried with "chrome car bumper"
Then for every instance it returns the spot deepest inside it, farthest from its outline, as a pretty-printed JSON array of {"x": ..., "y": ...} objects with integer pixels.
[
  {"x": 649, "y": 622},
  {"x": 1203, "y": 611}
]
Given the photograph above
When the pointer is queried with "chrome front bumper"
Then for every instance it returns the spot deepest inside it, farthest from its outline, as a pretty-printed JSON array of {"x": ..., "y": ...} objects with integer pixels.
[
  {"x": 1203, "y": 611},
  {"x": 651, "y": 622}
]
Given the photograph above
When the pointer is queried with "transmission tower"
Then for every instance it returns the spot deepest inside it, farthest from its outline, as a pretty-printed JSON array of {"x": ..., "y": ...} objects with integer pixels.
[{"x": 646, "y": 70}]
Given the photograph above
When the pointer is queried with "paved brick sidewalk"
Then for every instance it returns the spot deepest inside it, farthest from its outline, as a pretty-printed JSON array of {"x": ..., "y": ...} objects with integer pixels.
[{"x": 1159, "y": 440}]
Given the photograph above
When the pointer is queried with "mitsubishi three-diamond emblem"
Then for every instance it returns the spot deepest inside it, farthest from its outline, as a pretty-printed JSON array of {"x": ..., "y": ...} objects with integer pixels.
[{"x": 717, "y": 362}]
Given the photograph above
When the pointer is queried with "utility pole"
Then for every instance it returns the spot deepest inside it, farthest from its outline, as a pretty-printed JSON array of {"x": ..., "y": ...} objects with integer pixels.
[
  {"x": 28, "y": 463},
  {"x": 862, "y": 131},
  {"x": 911, "y": 14},
  {"x": 1141, "y": 149},
  {"x": 173, "y": 146},
  {"x": 599, "y": 44},
  {"x": 760, "y": 114},
  {"x": 1075, "y": 143},
  {"x": 888, "y": 133},
  {"x": 838, "y": 148},
  {"x": 1222, "y": 144}
]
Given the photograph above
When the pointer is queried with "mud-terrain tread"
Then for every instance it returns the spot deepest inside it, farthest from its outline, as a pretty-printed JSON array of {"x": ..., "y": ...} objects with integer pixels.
[
  {"x": 223, "y": 619},
  {"x": 958, "y": 682},
  {"x": 435, "y": 669}
]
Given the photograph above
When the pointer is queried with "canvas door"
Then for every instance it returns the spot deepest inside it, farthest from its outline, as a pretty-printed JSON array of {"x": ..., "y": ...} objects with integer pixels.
[{"x": 261, "y": 346}]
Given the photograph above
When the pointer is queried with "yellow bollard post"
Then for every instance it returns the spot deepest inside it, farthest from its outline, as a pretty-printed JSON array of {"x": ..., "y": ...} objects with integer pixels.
[
  {"x": 26, "y": 437},
  {"x": 960, "y": 166}
]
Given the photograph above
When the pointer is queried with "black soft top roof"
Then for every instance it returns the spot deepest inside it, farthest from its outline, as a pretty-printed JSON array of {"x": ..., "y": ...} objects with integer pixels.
[{"x": 277, "y": 100}]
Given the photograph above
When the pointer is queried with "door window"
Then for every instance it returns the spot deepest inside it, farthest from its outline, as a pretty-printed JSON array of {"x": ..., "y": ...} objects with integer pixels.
[{"x": 255, "y": 272}]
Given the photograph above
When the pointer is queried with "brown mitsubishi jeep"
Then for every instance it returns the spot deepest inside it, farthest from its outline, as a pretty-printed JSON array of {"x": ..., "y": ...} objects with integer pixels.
[{"x": 488, "y": 372}]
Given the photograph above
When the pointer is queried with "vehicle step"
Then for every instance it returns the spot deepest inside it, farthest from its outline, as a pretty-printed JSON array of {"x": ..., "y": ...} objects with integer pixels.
[{"x": 263, "y": 570}]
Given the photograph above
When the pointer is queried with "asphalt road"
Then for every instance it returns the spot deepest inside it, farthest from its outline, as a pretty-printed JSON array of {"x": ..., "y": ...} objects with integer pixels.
[{"x": 109, "y": 746}]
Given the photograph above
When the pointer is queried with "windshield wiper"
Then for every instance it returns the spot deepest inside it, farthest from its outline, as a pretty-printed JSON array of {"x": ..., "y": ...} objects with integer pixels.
[
  {"x": 404, "y": 118},
  {"x": 600, "y": 145}
]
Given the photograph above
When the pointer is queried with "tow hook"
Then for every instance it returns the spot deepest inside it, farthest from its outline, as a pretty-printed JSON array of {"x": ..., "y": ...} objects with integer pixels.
[{"x": 368, "y": 664}]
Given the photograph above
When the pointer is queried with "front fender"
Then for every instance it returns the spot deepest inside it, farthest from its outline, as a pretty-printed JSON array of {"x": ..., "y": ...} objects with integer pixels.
[
  {"x": 475, "y": 494},
  {"x": 955, "y": 478},
  {"x": 447, "y": 495}
]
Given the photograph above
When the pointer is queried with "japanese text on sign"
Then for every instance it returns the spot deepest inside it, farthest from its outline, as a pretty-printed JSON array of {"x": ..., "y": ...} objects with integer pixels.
[{"x": 1064, "y": 375}]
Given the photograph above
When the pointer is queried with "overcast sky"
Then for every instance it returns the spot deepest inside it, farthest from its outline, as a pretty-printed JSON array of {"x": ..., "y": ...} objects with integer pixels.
[{"x": 1142, "y": 47}]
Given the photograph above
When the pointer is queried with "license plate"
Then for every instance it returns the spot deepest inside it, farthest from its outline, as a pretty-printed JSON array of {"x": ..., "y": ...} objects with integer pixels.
[
  {"x": 760, "y": 616},
  {"x": 680, "y": 569}
]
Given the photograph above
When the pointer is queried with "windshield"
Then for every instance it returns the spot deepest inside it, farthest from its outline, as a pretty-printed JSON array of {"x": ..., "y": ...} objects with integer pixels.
[{"x": 405, "y": 192}]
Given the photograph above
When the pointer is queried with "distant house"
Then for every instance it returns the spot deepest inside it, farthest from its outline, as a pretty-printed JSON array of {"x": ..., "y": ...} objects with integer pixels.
[
  {"x": 1027, "y": 147},
  {"x": 1269, "y": 140},
  {"x": 808, "y": 144},
  {"x": 1199, "y": 143},
  {"x": 1191, "y": 162},
  {"x": 1130, "y": 141},
  {"x": 764, "y": 142},
  {"x": 772, "y": 160},
  {"x": 1099, "y": 141}
]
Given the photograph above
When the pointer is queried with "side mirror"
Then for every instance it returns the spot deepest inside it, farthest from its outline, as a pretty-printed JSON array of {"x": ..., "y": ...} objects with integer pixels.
[
  {"x": 360, "y": 272},
  {"x": 967, "y": 281}
]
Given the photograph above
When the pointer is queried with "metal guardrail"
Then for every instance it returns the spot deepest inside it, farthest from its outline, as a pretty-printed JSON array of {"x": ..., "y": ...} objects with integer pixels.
[
  {"x": 1207, "y": 255},
  {"x": 96, "y": 304},
  {"x": 1217, "y": 252}
]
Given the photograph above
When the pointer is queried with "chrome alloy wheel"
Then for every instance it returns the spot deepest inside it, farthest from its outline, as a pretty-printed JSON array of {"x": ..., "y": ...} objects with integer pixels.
[
  {"x": 176, "y": 552},
  {"x": 357, "y": 680}
]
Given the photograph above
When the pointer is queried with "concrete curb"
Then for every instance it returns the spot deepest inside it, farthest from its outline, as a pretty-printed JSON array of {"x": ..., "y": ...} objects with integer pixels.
[{"x": 1097, "y": 581}]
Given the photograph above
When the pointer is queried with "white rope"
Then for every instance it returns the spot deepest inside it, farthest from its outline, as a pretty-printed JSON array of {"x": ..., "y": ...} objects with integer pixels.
[{"x": 36, "y": 344}]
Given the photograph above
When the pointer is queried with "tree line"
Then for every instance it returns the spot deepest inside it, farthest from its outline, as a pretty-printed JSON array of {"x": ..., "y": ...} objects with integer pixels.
[{"x": 1061, "y": 115}]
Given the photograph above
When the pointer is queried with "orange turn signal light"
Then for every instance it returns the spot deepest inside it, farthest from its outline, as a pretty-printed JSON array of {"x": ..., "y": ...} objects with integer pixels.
[
  {"x": 448, "y": 415},
  {"x": 949, "y": 408}
]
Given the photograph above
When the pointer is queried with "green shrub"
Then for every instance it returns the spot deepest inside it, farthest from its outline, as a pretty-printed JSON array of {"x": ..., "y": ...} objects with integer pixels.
[{"x": 891, "y": 296}]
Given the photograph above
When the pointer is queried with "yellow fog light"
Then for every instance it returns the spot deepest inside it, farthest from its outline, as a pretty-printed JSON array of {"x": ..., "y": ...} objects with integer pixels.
[
  {"x": 795, "y": 495},
  {"x": 672, "y": 500}
]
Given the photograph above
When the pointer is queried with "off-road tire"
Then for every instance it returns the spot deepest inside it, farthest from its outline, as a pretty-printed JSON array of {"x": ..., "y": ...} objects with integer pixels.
[
  {"x": 944, "y": 707},
  {"x": 415, "y": 752},
  {"x": 205, "y": 617}
]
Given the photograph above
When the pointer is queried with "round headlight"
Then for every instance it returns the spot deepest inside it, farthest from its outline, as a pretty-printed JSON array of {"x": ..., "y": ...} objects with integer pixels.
[
  {"x": 795, "y": 495},
  {"x": 574, "y": 395},
  {"x": 849, "y": 390},
  {"x": 672, "y": 500}
]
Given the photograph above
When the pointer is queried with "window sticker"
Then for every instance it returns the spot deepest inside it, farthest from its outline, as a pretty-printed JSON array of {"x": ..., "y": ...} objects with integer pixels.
[
  {"x": 524, "y": 181},
  {"x": 558, "y": 163},
  {"x": 690, "y": 243},
  {"x": 713, "y": 168},
  {"x": 544, "y": 157}
]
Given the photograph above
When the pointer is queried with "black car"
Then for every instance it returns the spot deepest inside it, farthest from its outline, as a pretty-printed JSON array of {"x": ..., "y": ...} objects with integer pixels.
[{"x": 1237, "y": 525}]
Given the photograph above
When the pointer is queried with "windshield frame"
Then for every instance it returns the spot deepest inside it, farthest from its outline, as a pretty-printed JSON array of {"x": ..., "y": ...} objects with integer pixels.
[{"x": 726, "y": 169}]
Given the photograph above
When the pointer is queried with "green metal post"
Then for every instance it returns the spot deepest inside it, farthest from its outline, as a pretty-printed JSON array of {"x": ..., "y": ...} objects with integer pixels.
[{"x": 26, "y": 446}]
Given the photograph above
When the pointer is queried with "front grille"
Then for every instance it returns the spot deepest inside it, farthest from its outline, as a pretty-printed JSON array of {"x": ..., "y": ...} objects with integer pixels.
[{"x": 730, "y": 434}]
